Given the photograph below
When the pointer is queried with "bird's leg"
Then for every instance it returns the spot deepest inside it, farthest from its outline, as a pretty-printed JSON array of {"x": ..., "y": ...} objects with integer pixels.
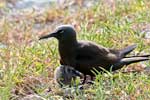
[
  {"x": 92, "y": 78},
  {"x": 91, "y": 81},
  {"x": 84, "y": 79}
]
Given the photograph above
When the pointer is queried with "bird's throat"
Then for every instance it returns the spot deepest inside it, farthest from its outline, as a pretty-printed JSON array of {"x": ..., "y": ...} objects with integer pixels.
[
  {"x": 67, "y": 46},
  {"x": 67, "y": 50}
]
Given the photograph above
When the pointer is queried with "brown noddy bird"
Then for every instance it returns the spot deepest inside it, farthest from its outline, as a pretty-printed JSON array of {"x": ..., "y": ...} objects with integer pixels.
[{"x": 86, "y": 55}]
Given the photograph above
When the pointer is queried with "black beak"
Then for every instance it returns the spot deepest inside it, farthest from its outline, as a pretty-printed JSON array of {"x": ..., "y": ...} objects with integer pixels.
[{"x": 48, "y": 36}]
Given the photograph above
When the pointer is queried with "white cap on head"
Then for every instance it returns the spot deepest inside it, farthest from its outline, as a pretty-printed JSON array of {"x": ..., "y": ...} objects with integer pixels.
[{"x": 65, "y": 26}]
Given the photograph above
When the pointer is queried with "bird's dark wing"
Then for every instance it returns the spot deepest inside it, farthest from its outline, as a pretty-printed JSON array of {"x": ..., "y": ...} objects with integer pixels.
[{"x": 91, "y": 53}]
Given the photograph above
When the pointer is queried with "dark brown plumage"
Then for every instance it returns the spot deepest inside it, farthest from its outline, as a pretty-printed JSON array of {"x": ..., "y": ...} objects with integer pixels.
[{"x": 86, "y": 55}]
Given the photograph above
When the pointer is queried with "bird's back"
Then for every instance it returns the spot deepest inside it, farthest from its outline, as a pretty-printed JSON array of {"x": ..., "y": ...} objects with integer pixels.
[{"x": 90, "y": 55}]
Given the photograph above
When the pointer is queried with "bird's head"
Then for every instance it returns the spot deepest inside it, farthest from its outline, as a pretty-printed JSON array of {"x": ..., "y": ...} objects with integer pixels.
[{"x": 63, "y": 32}]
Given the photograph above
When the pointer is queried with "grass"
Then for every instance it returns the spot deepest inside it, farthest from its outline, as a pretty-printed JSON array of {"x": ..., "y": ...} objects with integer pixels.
[{"x": 27, "y": 65}]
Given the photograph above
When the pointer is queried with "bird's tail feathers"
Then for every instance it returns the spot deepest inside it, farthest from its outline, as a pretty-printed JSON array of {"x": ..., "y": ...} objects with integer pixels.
[
  {"x": 128, "y": 49},
  {"x": 127, "y": 61},
  {"x": 145, "y": 55}
]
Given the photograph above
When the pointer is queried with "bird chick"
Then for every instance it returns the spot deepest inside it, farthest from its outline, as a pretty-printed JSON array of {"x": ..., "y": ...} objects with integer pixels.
[{"x": 65, "y": 75}]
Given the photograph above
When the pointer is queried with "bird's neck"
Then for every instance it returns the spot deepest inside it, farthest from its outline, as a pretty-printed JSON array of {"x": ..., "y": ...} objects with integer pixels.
[
  {"x": 68, "y": 44},
  {"x": 67, "y": 48}
]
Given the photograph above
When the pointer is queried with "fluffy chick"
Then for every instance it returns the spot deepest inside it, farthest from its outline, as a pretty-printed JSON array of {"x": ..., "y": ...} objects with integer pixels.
[{"x": 64, "y": 75}]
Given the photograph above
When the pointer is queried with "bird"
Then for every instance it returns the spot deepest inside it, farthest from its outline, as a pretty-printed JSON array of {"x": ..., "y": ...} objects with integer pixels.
[
  {"x": 85, "y": 56},
  {"x": 65, "y": 75}
]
